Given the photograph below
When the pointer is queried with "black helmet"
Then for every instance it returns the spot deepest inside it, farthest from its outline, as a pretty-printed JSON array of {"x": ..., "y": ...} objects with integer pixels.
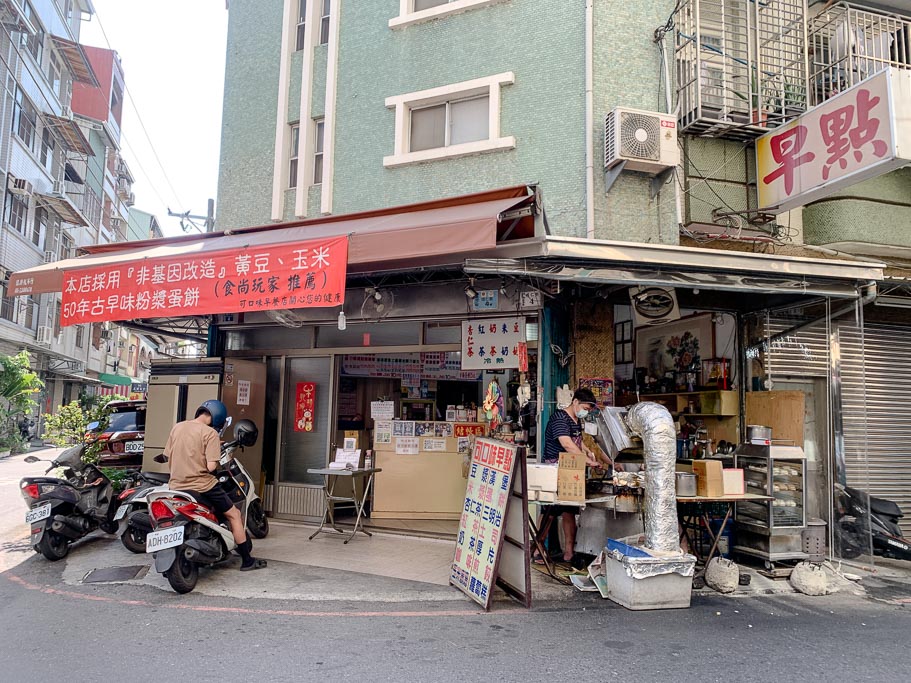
[
  {"x": 245, "y": 432},
  {"x": 218, "y": 412}
]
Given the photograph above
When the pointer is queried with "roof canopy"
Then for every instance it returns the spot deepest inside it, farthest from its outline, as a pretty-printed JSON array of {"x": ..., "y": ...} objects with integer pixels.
[{"x": 76, "y": 60}]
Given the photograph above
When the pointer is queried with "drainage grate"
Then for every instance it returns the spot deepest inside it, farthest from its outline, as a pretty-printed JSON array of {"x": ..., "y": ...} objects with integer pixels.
[{"x": 114, "y": 574}]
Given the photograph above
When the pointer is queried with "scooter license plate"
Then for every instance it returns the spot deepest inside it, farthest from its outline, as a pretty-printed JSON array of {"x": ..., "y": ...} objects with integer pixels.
[
  {"x": 121, "y": 511},
  {"x": 164, "y": 538},
  {"x": 36, "y": 514}
]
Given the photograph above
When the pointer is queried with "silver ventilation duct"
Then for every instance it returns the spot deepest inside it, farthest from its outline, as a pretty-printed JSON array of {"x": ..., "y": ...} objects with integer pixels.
[{"x": 655, "y": 425}]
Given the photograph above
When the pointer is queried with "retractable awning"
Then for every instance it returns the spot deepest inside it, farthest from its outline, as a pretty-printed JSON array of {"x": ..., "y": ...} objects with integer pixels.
[
  {"x": 597, "y": 262},
  {"x": 69, "y": 133},
  {"x": 64, "y": 208},
  {"x": 76, "y": 60},
  {"x": 403, "y": 235}
]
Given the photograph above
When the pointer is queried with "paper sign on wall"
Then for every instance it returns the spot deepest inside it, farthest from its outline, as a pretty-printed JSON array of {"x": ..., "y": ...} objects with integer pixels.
[
  {"x": 435, "y": 445},
  {"x": 481, "y": 527},
  {"x": 383, "y": 432},
  {"x": 492, "y": 343},
  {"x": 382, "y": 410},
  {"x": 305, "y": 407},
  {"x": 407, "y": 445},
  {"x": 243, "y": 392}
]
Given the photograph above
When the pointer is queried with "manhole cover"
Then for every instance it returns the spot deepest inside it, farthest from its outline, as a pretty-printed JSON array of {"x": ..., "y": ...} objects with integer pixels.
[{"x": 114, "y": 574}]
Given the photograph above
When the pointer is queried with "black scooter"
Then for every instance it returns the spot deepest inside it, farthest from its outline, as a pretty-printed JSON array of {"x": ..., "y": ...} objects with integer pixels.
[
  {"x": 859, "y": 520},
  {"x": 64, "y": 510}
]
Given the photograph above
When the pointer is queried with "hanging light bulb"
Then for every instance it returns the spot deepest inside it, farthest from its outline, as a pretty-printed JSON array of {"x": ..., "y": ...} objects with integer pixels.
[{"x": 342, "y": 321}]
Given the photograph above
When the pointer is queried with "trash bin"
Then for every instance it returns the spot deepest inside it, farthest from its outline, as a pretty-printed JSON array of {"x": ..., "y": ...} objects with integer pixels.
[{"x": 813, "y": 537}]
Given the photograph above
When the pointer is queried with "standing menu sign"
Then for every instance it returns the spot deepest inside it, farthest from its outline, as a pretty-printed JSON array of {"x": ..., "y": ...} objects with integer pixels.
[{"x": 481, "y": 529}]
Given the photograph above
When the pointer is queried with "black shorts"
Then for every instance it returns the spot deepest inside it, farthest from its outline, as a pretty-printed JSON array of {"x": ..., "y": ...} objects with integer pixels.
[{"x": 215, "y": 498}]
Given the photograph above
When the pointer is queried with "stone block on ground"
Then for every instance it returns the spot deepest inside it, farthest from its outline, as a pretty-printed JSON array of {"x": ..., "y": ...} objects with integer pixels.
[
  {"x": 722, "y": 575},
  {"x": 809, "y": 579}
]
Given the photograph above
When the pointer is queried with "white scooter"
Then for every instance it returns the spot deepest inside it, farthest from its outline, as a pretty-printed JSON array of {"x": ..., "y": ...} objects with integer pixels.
[{"x": 187, "y": 534}]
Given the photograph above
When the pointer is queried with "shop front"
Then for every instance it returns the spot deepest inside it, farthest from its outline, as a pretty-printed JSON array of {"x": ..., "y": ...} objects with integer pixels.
[{"x": 451, "y": 316}]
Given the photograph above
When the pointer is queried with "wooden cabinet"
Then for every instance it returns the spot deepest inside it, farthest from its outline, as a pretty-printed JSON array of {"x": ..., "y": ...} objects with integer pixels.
[{"x": 718, "y": 410}]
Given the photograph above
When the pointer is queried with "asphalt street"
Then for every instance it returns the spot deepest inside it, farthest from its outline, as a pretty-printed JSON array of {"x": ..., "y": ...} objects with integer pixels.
[{"x": 52, "y": 630}]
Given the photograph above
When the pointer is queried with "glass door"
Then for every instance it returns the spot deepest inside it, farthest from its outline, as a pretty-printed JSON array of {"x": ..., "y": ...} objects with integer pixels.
[{"x": 306, "y": 440}]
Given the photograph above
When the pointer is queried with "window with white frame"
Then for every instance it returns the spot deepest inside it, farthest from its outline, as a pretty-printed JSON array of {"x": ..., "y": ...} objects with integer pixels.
[
  {"x": 450, "y": 121},
  {"x": 292, "y": 157},
  {"x": 417, "y": 11},
  {"x": 319, "y": 127},
  {"x": 301, "y": 24},
  {"x": 25, "y": 119},
  {"x": 39, "y": 226},
  {"x": 33, "y": 43},
  {"x": 55, "y": 74},
  {"x": 16, "y": 213},
  {"x": 324, "y": 22},
  {"x": 48, "y": 145},
  {"x": 67, "y": 246}
]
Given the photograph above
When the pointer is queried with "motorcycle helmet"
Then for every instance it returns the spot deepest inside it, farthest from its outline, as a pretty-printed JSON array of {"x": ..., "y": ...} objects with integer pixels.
[
  {"x": 217, "y": 411},
  {"x": 245, "y": 433}
]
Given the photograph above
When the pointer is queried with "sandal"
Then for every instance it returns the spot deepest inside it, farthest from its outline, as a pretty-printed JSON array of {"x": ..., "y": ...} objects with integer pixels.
[
  {"x": 537, "y": 559},
  {"x": 257, "y": 564}
]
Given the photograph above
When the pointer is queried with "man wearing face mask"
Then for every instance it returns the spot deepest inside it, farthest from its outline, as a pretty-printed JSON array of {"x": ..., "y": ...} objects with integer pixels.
[{"x": 564, "y": 435}]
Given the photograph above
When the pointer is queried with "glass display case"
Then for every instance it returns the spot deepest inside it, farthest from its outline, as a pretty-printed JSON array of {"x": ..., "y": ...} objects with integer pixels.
[{"x": 772, "y": 529}]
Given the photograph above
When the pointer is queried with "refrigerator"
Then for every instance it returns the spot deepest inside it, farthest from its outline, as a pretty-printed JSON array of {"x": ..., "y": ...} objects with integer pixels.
[{"x": 177, "y": 387}]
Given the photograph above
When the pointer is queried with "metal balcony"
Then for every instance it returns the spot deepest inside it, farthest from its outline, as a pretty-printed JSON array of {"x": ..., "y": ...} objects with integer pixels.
[
  {"x": 849, "y": 43},
  {"x": 741, "y": 66}
]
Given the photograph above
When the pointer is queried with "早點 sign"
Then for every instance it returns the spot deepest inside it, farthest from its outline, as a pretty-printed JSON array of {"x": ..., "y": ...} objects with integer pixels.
[
  {"x": 492, "y": 344},
  {"x": 292, "y": 275},
  {"x": 854, "y": 136},
  {"x": 474, "y": 566}
]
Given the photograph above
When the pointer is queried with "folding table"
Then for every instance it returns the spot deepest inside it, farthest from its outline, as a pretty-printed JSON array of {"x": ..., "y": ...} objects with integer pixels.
[{"x": 331, "y": 478}]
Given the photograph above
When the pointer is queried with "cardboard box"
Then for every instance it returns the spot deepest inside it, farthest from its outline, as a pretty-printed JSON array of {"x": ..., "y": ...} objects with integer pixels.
[
  {"x": 733, "y": 482},
  {"x": 533, "y": 494},
  {"x": 709, "y": 478},
  {"x": 542, "y": 477},
  {"x": 571, "y": 477},
  {"x": 546, "y": 496}
]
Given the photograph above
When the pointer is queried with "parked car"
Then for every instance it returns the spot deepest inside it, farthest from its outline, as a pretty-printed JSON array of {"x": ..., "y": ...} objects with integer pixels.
[{"x": 123, "y": 440}]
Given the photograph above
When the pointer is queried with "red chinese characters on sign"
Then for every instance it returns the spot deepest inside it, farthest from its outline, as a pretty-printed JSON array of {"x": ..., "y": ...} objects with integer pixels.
[
  {"x": 842, "y": 141},
  {"x": 851, "y": 128},
  {"x": 305, "y": 407},
  {"x": 468, "y": 429},
  {"x": 293, "y": 275}
]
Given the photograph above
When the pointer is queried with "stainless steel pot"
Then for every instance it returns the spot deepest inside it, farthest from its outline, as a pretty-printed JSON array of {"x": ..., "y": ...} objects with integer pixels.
[
  {"x": 759, "y": 433},
  {"x": 686, "y": 484}
]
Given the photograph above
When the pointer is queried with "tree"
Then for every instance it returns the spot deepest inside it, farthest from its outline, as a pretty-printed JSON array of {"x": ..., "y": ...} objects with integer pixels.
[
  {"x": 18, "y": 386},
  {"x": 68, "y": 425}
]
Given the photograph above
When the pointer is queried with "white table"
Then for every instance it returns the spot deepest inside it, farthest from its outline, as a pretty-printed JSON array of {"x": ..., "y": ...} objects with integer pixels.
[{"x": 331, "y": 478}]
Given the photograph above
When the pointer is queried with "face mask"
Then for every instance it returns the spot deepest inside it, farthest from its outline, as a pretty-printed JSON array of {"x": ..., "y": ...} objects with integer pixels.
[{"x": 582, "y": 413}]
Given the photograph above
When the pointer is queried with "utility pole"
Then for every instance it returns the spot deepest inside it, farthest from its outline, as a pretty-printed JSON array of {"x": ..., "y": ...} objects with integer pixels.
[{"x": 188, "y": 218}]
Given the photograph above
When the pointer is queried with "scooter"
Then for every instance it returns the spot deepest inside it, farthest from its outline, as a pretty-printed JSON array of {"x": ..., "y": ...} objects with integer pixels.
[
  {"x": 859, "y": 521},
  {"x": 187, "y": 535},
  {"x": 63, "y": 510},
  {"x": 132, "y": 515}
]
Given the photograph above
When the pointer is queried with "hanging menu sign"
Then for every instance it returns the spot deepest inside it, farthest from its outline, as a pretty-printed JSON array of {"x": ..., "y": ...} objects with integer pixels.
[
  {"x": 492, "y": 343},
  {"x": 474, "y": 566}
]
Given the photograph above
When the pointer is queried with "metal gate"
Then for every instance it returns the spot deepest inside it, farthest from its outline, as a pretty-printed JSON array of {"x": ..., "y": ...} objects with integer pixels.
[{"x": 880, "y": 362}]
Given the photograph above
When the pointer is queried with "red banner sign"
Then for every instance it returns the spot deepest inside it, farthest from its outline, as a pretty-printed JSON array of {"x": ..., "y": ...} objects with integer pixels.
[
  {"x": 305, "y": 407},
  {"x": 307, "y": 274}
]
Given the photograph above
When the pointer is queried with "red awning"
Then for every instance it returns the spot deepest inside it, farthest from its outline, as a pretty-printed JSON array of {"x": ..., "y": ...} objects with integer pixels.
[{"x": 376, "y": 239}]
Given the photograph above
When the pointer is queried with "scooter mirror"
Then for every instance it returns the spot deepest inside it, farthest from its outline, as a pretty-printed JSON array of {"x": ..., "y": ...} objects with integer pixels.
[
  {"x": 160, "y": 458},
  {"x": 30, "y": 459}
]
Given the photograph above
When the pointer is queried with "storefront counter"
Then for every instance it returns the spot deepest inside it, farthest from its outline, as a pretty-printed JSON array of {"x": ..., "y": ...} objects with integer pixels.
[{"x": 425, "y": 486}]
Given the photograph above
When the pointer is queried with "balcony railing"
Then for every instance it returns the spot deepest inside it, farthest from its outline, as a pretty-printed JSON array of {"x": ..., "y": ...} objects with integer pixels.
[
  {"x": 849, "y": 43},
  {"x": 86, "y": 201},
  {"x": 741, "y": 65}
]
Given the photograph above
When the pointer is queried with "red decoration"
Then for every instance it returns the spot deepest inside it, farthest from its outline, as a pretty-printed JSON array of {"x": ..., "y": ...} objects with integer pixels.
[
  {"x": 305, "y": 407},
  {"x": 307, "y": 274}
]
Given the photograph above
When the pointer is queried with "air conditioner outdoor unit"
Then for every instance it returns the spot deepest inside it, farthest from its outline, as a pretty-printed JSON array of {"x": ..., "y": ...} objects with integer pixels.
[
  {"x": 131, "y": 199},
  {"x": 45, "y": 335},
  {"x": 653, "y": 305},
  {"x": 21, "y": 186},
  {"x": 646, "y": 141},
  {"x": 59, "y": 187},
  {"x": 50, "y": 256}
]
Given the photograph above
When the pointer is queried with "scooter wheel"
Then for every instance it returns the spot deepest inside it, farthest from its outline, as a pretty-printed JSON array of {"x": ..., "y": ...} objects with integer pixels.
[
  {"x": 53, "y": 546},
  {"x": 133, "y": 540},
  {"x": 257, "y": 522},
  {"x": 183, "y": 574}
]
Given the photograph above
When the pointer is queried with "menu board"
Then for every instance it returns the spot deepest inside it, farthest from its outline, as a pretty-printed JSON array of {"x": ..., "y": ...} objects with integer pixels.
[
  {"x": 474, "y": 566},
  {"x": 492, "y": 344}
]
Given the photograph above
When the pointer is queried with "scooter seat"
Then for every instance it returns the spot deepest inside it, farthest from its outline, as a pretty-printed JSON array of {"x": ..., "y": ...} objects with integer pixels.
[
  {"x": 160, "y": 477},
  {"x": 880, "y": 506}
]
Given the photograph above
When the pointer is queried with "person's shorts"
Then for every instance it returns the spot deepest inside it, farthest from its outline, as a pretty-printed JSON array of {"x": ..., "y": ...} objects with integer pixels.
[{"x": 215, "y": 498}]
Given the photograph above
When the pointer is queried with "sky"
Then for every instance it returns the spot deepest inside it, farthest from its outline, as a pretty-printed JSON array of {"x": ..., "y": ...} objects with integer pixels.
[{"x": 173, "y": 57}]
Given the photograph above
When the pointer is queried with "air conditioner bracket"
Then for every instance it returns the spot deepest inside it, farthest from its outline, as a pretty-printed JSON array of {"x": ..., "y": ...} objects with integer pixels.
[
  {"x": 611, "y": 174},
  {"x": 656, "y": 183}
]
